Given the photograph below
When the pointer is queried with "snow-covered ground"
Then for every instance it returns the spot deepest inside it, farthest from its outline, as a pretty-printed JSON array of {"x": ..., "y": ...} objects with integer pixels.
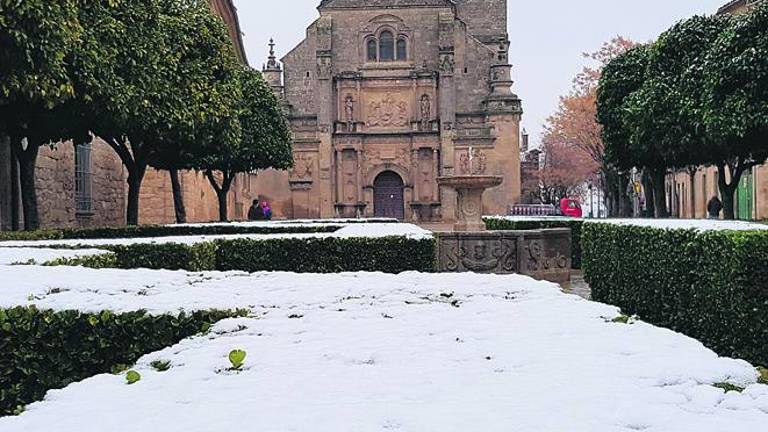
[
  {"x": 9, "y": 256},
  {"x": 375, "y": 352},
  {"x": 351, "y": 230},
  {"x": 697, "y": 224}
]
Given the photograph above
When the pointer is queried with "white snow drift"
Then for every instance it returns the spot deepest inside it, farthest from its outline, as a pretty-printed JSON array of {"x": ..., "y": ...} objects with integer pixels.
[{"x": 375, "y": 352}]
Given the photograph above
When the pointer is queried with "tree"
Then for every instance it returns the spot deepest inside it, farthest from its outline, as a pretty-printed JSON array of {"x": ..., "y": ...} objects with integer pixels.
[
  {"x": 209, "y": 72},
  {"x": 37, "y": 41},
  {"x": 139, "y": 86},
  {"x": 662, "y": 115},
  {"x": 566, "y": 169},
  {"x": 735, "y": 108},
  {"x": 621, "y": 77},
  {"x": 264, "y": 140}
]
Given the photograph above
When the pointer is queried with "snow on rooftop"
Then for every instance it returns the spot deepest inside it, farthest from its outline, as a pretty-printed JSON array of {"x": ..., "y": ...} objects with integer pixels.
[{"x": 375, "y": 352}]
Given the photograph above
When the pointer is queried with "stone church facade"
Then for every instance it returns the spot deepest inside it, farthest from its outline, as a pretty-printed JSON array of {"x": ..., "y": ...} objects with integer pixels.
[{"x": 386, "y": 96}]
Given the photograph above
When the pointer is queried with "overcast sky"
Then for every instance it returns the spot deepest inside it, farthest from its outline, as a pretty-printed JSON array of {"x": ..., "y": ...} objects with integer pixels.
[{"x": 548, "y": 37}]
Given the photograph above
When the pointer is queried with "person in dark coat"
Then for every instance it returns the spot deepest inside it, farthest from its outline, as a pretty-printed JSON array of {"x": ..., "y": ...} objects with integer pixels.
[
  {"x": 714, "y": 207},
  {"x": 256, "y": 212}
]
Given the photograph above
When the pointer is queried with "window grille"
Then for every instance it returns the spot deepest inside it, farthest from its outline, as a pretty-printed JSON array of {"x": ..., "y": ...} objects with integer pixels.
[{"x": 83, "y": 179}]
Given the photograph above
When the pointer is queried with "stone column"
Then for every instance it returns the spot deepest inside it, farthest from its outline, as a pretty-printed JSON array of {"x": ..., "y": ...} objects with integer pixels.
[
  {"x": 5, "y": 184},
  {"x": 447, "y": 110},
  {"x": 326, "y": 115}
]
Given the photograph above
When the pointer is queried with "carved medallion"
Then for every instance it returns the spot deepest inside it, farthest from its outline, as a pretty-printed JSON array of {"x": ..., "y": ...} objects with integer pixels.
[{"x": 387, "y": 112}]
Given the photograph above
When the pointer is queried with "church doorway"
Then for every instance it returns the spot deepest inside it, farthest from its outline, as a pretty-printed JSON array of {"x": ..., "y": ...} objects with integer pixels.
[{"x": 388, "y": 199}]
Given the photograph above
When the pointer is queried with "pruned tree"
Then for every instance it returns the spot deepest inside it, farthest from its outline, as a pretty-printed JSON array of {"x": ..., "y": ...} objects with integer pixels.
[
  {"x": 735, "y": 108},
  {"x": 37, "y": 42},
  {"x": 263, "y": 141}
]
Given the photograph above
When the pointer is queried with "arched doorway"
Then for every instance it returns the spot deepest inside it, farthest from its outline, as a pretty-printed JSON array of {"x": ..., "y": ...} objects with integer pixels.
[{"x": 388, "y": 200}]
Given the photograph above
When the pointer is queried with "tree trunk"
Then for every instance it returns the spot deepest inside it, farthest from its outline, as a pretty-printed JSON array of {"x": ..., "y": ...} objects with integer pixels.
[
  {"x": 15, "y": 192},
  {"x": 221, "y": 193},
  {"x": 692, "y": 188},
  {"x": 650, "y": 204},
  {"x": 728, "y": 190},
  {"x": 658, "y": 179},
  {"x": 625, "y": 202},
  {"x": 178, "y": 197},
  {"x": 135, "y": 177},
  {"x": 27, "y": 161}
]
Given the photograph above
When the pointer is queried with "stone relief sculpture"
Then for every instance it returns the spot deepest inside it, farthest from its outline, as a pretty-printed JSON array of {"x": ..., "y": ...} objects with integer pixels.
[
  {"x": 426, "y": 110},
  {"x": 447, "y": 64},
  {"x": 349, "y": 112},
  {"x": 473, "y": 162},
  {"x": 302, "y": 167},
  {"x": 387, "y": 112}
]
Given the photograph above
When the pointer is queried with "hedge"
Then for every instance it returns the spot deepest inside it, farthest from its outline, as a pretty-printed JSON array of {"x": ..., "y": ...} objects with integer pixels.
[
  {"x": 42, "y": 350},
  {"x": 302, "y": 255},
  {"x": 708, "y": 285},
  {"x": 327, "y": 255},
  {"x": 145, "y": 231},
  {"x": 497, "y": 224}
]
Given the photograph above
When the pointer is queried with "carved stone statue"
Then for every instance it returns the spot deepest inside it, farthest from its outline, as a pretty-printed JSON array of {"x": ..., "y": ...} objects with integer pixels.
[
  {"x": 426, "y": 110},
  {"x": 349, "y": 112}
]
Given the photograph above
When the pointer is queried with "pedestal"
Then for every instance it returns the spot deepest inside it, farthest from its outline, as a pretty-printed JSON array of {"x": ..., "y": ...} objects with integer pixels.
[{"x": 469, "y": 210}]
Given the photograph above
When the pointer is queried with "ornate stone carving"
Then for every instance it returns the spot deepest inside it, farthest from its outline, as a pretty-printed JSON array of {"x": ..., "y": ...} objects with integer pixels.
[
  {"x": 473, "y": 162},
  {"x": 487, "y": 253},
  {"x": 303, "y": 166},
  {"x": 387, "y": 112},
  {"x": 426, "y": 110},
  {"x": 539, "y": 261},
  {"x": 447, "y": 64},
  {"x": 324, "y": 67}
]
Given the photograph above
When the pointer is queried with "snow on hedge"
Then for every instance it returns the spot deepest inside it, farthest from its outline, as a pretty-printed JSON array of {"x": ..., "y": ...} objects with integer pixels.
[
  {"x": 362, "y": 230},
  {"x": 374, "y": 352},
  {"x": 9, "y": 256},
  {"x": 697, "y": 224}
]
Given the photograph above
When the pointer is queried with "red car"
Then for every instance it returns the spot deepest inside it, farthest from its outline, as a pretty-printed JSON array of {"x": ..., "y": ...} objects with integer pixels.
[{"x": 571, "y": 207}]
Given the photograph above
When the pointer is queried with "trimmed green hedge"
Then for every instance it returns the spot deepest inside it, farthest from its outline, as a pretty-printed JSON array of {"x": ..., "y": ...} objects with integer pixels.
[
  {"x": 708, "y": 285},
  {"x": 301, "y": 255},
  {"x": 327, "y": 255},
  {"x": 42, "y": 350},
  {"x": 145, "y": 231},
  {"x": 495, "y": 224}
]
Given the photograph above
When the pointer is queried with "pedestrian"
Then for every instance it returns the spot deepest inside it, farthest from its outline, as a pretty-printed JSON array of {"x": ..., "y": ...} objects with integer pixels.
[
  {"x": 256, "y": 212},
  {"x": 714, "y": 207},
  {"x": 266, "y": 210}
]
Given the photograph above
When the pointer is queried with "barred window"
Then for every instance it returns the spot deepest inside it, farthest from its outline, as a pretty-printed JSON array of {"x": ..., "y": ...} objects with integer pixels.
[
  {"x": 83, "y": 179},
  {"x": 386, "y": 46}
]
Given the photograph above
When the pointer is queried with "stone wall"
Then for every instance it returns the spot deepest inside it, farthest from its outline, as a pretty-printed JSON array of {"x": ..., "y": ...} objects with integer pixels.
[
  {"x": 484, "y": 17},
  {"x": 55, "y": 176}
]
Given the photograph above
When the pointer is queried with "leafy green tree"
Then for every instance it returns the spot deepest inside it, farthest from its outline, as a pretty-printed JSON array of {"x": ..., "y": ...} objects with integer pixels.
[
  {"x": 735, "y": 113},
  {"x": 264, "y": 139},
  {"x": 37, "y": 42},
  {"x": 663, "y": 114},
  {"x": 621, "y": 77},
  {"x": 144, "y": 88}
]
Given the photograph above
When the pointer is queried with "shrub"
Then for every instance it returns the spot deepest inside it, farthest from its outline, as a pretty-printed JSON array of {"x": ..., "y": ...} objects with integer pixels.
[
  {"x": 166, "y": 256},
  {"x": 43, "y": 349},
  {"x": 146, "y": 231},
  {"x": 707, "y": 285},
  {"x": 327, "y": 255},
  {"x": 499, "y": 224}
]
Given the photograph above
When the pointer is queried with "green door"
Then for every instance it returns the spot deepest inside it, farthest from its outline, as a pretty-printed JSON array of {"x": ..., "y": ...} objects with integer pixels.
[{"x": 745, "y": 197}]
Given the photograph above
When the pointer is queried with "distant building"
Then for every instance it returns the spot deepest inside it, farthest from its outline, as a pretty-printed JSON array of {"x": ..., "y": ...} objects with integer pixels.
[
  {"x": 384, "y": 97},
  {"x": 86, "y": 185},
  {"x": 530, "y": 165}
]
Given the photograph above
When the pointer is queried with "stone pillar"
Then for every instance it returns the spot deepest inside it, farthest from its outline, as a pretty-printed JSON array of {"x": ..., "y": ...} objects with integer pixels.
[
  {"x": 325, "y": 115},
  {"x": 447, "y": 110},
  {"x": 5, "y": 184}
]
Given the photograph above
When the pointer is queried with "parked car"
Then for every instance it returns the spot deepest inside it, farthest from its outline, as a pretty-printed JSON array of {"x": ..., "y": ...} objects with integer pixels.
[{"x": 571, "y": 207}]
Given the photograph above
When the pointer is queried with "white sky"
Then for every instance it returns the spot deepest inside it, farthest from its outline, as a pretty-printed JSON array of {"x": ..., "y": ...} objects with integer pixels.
[{"x": 548, "y": 37}]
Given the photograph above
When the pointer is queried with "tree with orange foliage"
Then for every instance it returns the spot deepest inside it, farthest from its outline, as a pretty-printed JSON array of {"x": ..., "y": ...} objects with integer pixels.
[{"x": 572, "y": 140}]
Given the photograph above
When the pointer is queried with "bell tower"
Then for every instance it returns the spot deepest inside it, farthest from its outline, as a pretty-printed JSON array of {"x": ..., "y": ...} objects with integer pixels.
[{"x": 273, "y": 72}]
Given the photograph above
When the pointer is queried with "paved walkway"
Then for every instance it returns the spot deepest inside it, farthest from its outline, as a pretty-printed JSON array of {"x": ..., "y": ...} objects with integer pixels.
[{"x": 578, "y": 286}]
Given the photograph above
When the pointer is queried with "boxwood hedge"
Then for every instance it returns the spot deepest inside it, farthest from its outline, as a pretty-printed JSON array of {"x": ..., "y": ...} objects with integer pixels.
[
  {"x": 145, "y": 231},
  {"x": 708, "y": 285},
  {"x": 302, "y": 255},
  {"x": 327, "y": 255},
  {"x": 42, "y": 350},
  {"x": 499, "y": 224}
]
